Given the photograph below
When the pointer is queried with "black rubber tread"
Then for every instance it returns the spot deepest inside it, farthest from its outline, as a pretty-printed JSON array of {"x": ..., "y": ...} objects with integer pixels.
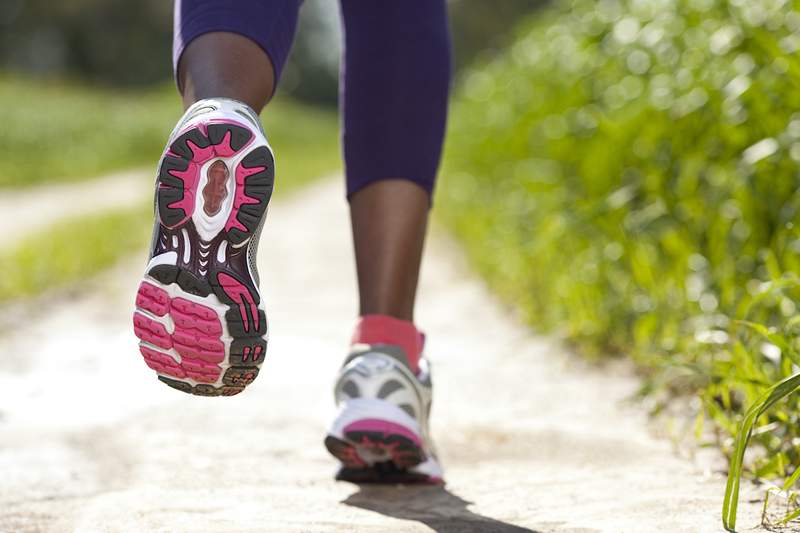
[
  {"x": 237, "y": 351},
  {"x": 192, "y": 284},
  {"x": 206, "y": 390},
  {"x": 202, "y": 389},
  {"x": 236, "y": 329},
  {"x": 257, "y": 186},
  {"x": 168, "y": 164},
  {"x": 237, "y": 236},
  {"x": 383, "y": 473},
  {"x": 239, "y": 135},
  {"x": 176, "y": 384},
  {"x": 170, "y": 190},
  {"x": 238, "y": 376},
  {"x": 180, "y": 147},
  {"x": 166, "y": 274},
  {"x": 170, "y": 216},
  {"x": 260, "y": 157}
]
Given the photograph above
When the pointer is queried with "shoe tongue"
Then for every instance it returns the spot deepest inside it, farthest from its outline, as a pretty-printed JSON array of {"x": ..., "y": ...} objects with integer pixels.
[{"x": 390, "y": 332}]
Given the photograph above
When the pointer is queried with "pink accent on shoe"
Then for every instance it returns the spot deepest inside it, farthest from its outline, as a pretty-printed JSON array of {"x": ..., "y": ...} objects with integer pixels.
[
  {"x": 161, "y": 362},
  {"x": 189, "y": 307},
  {"x": 240, "y": 198},
  {"x": 384, "y": 329},
  {"x": 189, "y": 177},
  {"x": 346, "y": 453},
  {"x": 223, "y": 149},
  {"x": 208, "y": 327},
  {"x": 190, "y": 345},
  {"x": 152, "y": 299},
  {"x": 197, "y": 365},
  {"x": 245, "y": 353},
  {"x": 151, "y": 331},
  {"x": 201, "y": 155},
  {"x": 196, "y": 336},
  {"x": 238, "y": 292},
  {"x": 383, "y": 426},
  {"x": 202, "y": 378}
]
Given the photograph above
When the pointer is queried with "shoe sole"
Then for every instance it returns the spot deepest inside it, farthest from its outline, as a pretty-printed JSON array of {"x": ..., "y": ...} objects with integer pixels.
[
  {"x": 197, "y": 308},
  {"x": 378, "y": 451}
]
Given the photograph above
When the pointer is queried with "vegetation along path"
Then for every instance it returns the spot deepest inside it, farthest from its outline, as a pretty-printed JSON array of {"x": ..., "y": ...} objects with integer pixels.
[
  {"x": 29, "y": 209},
  {"x": 532, "y": 439}
]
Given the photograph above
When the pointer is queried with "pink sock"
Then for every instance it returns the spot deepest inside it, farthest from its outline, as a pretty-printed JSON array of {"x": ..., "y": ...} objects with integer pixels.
[{"x": 384, "y": 329}]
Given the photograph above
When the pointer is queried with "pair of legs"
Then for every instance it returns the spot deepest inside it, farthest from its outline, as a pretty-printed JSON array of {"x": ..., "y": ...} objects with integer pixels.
[{"x": 395, "y": 79}]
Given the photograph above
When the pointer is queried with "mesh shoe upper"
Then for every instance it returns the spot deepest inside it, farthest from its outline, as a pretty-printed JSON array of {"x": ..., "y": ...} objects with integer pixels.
[{"x": 381, "y": 372}]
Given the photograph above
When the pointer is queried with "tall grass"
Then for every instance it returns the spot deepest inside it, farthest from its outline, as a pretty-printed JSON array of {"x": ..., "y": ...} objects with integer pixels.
[{"x": 627, "y": 174}]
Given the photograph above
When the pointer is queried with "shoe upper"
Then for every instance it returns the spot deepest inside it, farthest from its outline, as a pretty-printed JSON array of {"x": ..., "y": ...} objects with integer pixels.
[{"x": 382, "y": 372}]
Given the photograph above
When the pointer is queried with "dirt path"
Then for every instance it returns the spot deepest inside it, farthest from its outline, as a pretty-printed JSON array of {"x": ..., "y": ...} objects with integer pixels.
[
  {"x": 531, "y": 439},
  {"x": 26, "y": 210}
]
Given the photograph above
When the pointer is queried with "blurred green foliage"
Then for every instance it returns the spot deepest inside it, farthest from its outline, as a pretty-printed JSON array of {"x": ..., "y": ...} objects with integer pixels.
[
  {"x": 627, "y": 174},
  {"x": 122, "y": 43},
  {"x": 109, "y": 41},
  {"x": 65, "y": 131},
  {"x": 480, "y": 29}
]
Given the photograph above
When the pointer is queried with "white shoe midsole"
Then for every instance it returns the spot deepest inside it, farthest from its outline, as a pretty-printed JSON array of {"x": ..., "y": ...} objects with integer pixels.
[{"x": 371, "y": 408}]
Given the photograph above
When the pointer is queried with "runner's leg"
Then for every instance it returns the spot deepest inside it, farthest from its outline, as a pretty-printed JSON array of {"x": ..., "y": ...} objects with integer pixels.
[
  {"x": 395, "y": 81},
  {"x": 232, "y": 49}
]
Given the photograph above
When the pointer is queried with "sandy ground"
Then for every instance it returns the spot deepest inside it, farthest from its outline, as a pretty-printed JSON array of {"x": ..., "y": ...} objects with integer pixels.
[{"x": 531, "y": 438}]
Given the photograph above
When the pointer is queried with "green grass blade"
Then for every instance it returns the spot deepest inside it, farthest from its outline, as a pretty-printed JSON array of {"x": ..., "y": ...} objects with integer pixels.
[{"x": 775, "y": 393}]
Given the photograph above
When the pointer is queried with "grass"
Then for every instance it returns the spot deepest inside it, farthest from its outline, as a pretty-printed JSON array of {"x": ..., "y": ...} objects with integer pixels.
[
  {"x": 626, "y": 174},
  {"x": 73, "y": 250},
  {"x": 63, "y": 131},
  {"x": 73, "y": 132}
]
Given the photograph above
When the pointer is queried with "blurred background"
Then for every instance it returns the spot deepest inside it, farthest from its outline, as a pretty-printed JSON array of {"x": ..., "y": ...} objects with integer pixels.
[{"x": 623, "y": 172}]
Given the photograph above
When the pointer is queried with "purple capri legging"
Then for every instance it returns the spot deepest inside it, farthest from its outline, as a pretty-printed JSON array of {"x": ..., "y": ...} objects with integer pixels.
[{"x": 394, "y": 82}]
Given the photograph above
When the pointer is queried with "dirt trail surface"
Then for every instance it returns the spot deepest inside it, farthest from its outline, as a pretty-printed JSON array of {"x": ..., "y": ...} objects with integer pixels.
[
  {"x": 27, "y": 210},
  {"x": 531, "y": 439}
]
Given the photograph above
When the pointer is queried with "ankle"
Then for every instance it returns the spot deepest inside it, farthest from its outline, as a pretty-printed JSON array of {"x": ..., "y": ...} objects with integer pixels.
[{"x": 385, "y": 329}]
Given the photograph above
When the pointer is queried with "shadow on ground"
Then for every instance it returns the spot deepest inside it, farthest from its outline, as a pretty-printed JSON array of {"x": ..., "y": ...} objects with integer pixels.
[{"x": 434, "y": 506}]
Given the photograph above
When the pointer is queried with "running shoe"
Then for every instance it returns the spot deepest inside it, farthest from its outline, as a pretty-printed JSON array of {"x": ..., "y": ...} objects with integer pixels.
[
  {"x": 381, "y": 431},
  {"x": 199, "y": 315}
]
